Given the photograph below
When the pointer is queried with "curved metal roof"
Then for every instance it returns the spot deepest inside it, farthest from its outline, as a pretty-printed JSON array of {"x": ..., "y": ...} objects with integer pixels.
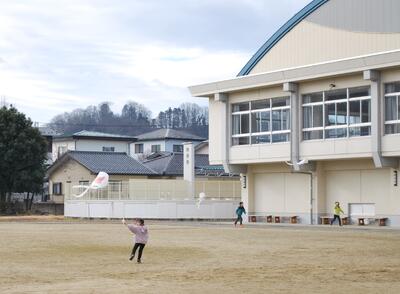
[{"x": 279, "y": 34}]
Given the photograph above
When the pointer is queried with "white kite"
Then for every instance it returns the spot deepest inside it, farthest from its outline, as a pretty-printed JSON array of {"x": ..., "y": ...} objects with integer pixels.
[
  {"x": 202, "y": 195},
  {"x": 100, "y": 182}
]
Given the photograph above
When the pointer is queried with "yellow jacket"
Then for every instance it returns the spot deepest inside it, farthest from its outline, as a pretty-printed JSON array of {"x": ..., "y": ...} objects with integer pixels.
[{"x": 338, "y": 210}]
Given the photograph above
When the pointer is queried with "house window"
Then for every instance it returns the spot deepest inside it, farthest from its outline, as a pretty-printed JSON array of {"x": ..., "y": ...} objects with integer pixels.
[
  {"x": 108, "y": 149},
  {"x": 61, "y": 150},
  {"x": 57, "y": 188},
  {"x": 392, "y": 108},
  {"x": 261, "y": 122},
  {"x": 155, "y": 148},
  {"x": 337, "y": 114},
  {"x": 177, "y": 148},
  {"x": 138, "y": 148},
  {"x": 83, "y": 183},
  {"x": 115, "y": 186}
]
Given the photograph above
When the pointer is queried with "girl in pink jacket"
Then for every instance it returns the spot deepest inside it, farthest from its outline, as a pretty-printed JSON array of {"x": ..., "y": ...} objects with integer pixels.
[{"x": 141, "y": 237}]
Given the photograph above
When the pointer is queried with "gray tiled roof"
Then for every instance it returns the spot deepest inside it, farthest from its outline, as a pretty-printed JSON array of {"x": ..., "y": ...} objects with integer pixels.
[
  {"x": 162, "y": 134},
  {"x": 110, "y": 162},
  {"x": 171, "y": 164}
]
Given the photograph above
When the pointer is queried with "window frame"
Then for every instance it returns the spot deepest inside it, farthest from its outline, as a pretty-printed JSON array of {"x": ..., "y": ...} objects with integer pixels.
[
  {"x": 326, "y": 128},
  {"x": 270, "y": 133},
  {"x": 111, "y": 148},
  {"x": 392, "y": 121},
  {"x": 58, "y": 190},
  {"x": 139, "y": 146},
  {"x": 179, "y": 146},
  {"x": 156, "y": 146}
]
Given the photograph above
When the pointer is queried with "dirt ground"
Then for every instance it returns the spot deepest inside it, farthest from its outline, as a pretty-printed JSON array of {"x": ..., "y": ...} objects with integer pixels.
[{"x": 73, "y": 257}]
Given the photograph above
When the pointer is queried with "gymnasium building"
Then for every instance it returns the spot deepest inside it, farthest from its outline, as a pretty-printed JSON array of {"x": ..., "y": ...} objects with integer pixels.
[{"x": 314, "y": 115}]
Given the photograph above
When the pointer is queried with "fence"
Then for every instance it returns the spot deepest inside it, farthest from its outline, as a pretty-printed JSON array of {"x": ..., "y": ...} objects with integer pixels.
[{"x": 160, "y": 189}]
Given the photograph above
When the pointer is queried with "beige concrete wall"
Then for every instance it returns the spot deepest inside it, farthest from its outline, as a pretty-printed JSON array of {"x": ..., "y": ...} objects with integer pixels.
[
  {"x": 357, "y": 181},
  {"x": 216, "y": 109}
]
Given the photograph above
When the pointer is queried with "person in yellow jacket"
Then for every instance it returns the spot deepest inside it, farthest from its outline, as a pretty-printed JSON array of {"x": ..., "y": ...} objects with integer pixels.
[{"x": 336, "y": 212}]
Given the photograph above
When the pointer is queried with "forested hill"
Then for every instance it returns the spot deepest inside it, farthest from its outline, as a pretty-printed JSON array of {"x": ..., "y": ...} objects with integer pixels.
[{"x": 133, "y": 119}]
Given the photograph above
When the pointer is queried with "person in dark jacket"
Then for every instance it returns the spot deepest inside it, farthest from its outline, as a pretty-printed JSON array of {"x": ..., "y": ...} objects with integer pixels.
[{"x": 239, "y": 212}]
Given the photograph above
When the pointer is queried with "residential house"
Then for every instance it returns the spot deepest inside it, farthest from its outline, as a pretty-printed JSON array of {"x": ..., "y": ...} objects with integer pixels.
[{"x": 90, "y": 141}]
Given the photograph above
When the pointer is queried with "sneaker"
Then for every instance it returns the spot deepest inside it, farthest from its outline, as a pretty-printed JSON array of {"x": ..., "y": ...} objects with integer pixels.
[
  {"x": 132, "y": 257},
  {"x": 139, "y": 261}
]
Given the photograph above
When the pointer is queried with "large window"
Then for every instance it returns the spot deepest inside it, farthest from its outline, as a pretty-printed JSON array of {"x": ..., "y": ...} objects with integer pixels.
[
  {"x": 177, "y": 148},
  {"x": 138, "y": 148},
  {"x": 57, "y": 188},
  {"x": 155, "y": 148},
  {"x": 337, "y": 114},
  {"x": 261, "y": 121},
  {"x": 392, "y": 108}
]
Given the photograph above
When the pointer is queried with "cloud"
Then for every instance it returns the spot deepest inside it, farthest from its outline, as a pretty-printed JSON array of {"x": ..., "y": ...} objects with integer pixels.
[{"x": 59, "y": 55}]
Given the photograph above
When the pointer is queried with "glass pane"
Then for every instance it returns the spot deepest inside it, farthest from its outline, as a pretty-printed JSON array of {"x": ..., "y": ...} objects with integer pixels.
[
  {"x": 260, "y": 139},
  {"x": 276, "y": 138},
  {"x": 392, "y": 87},
  {"x": 265, "y": 121},
  {"x": 276, "y": 120},
  {"x": 313, "y": 135},
  {"x": 260, "y": 122},
  {"x": 235, "y": 124},
  {"x": 354, "y": 114},
  {"x": 240, "y": 141},
  {"x": 392, "y": 129},
  {"x": 366, "y": 111},
  {"x": 335, "y": 133},
  {"x": 278, "y": 102},
  {"x": 260, "y": 104},
  {"x": 312, "y": 98},
  {"x": 390, "y": 108},
  {"x": 330, "y": 115},
  {"x": 307, "y": 123},
  {"x": 318, "y": 116},
  {"x": 359, "y": 92},
  {"x": 285, "y": 119},
  {"x": 336, "y": 94},
  {"x": 359, "y": 131},
  {"x": 240, "y": 107},
  {"x": 244, "y": 124},
  {"x": 255, "y": 122},
  {"x": 341, "y": 113},
  {"x": 398, "y": 107}
]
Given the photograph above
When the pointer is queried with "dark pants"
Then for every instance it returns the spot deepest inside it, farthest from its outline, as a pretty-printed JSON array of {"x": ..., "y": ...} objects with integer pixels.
[
  {"x": 135, "y": 247},
  {"x": 239, "y": 219},
  {"x": 336, "y": 216}
]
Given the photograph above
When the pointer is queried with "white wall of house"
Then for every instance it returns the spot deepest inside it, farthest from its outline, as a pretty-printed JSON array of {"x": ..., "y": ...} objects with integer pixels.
[
  {"x": 68, "y": 144},
  {"x": 165, "y": 145},
  {"x": 89, "y": 145},
  {"x": 97, "y": 145}
]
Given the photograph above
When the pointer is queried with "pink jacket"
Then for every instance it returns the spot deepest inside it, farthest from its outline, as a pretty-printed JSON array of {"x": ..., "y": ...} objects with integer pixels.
[{"x": 141, "y": 233}]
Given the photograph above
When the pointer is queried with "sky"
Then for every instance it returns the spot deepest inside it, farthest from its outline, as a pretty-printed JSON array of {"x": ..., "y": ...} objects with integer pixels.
[{"x": 56, "y": 56}]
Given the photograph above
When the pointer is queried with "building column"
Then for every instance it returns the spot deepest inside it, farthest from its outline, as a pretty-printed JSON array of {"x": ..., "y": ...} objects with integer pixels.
[
  {"x": 377, "y": 120},
  {"x": 189, "y": 168},
  {"x": 292, "y": 89}
]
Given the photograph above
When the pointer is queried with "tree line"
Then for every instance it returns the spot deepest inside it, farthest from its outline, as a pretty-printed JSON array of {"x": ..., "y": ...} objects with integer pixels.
[{"x": 133, "y": 119}]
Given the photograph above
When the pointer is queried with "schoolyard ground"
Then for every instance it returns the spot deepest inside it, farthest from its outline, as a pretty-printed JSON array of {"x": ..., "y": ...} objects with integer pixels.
[{"x": 61, "y": 256}]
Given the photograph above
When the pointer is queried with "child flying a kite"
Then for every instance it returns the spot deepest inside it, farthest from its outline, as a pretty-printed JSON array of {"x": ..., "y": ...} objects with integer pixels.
[{"x": 141, "y": 236}]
